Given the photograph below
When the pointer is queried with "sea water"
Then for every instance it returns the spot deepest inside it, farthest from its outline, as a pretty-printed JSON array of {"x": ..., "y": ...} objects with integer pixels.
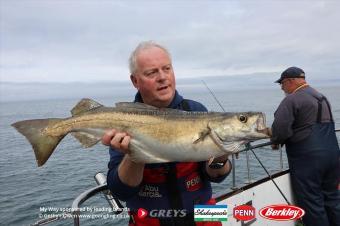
[{"x": 26, "y": 191}]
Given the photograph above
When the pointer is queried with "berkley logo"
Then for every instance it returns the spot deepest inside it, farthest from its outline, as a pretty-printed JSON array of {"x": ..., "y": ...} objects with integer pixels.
[
  {"x": 244, "y": 212},
  {"x": 281, "y": 212}
]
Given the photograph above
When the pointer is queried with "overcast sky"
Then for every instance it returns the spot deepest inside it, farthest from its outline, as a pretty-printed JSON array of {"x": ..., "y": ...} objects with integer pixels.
[{"x": 64, "y": 41}]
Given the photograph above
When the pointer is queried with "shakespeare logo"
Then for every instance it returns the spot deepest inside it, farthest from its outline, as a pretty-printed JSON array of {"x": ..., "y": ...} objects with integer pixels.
[{"x": 211, "y": 212}]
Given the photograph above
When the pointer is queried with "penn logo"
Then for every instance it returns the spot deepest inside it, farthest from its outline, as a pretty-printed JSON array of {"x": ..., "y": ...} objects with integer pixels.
[
  {"x": 142, "y": 213},
  {"x": 193, "y": 182},
  {"x": 282, "y": 212},
  {"x": 244, "y": 212}
]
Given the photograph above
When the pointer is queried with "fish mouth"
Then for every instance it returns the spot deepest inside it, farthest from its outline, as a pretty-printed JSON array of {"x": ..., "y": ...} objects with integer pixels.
[
  {"x": 261, "y": 126},
  {"x": 265, "y": 131}
]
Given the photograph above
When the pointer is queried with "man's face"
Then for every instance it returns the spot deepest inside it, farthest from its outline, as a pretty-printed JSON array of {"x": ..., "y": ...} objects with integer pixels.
[
  {"x": 286, "y": 85},
  {"x": 154, "y": 78}
]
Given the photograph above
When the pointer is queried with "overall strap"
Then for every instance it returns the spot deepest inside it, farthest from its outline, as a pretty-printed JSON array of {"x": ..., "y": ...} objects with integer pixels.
[
  {"x": 320, "y": 98},
  {"x": 329, "y": 109},
  {"x": 318, "y": 119},
  {"x": 323, "y": 98},
  {"x": 175, "y": 199}
]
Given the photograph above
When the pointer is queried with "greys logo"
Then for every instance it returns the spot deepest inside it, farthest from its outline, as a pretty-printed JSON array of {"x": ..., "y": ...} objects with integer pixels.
[{"x": 167, "y": 213}]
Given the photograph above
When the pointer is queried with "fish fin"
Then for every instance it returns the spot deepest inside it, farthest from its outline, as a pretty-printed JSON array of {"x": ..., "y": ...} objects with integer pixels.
[
  {"x": 86, "y": 139},
  {"x": 43, "y": 145},
  {"x": 138, "y": 107},
  {"x": 211, "y": 160},
  {"x": 85, "y": 105},
  {"x": 135, "y": 105},
  {"x": 202, "y": 135}
]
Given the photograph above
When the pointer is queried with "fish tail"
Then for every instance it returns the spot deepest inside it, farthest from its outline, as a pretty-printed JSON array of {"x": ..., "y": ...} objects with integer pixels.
[{"x": 43, "y": 144}]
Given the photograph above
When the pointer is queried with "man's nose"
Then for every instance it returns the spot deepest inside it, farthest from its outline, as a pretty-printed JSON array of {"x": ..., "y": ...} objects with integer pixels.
[{"x": 162, "y": 75}]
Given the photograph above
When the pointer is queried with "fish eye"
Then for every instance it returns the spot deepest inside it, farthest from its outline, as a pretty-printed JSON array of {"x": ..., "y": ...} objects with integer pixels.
[{"x": 242, "y": 118}]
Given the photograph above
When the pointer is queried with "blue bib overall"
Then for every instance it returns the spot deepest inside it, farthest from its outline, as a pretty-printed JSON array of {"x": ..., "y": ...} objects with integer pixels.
[{"x": 314, "y": 168}]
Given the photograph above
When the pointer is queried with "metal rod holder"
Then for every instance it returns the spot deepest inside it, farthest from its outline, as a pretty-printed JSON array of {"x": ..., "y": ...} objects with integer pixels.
[
  {"x": 116, "y": 206},
  {"x": 82, "y": 198},
  {"x": 281, "y": 157},
  {"x": 233, "y": 171},
  {"x": 248, "y": 167}
]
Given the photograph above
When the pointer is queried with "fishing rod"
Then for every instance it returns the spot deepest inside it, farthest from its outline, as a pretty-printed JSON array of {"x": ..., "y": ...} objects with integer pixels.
[
  {"x": 250, "y": 147},
  {"x": 219, "y": 103},
  {"x": 270, "y": 176}
]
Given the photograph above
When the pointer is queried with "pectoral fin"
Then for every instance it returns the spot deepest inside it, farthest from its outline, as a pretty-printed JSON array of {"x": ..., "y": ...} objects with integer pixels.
[
  {"x": 211, "y": 160},
  {"x": 202, "y": 135}
]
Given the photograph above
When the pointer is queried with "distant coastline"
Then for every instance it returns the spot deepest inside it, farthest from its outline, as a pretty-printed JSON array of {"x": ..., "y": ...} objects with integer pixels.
[{"x": 26, "y": 91}]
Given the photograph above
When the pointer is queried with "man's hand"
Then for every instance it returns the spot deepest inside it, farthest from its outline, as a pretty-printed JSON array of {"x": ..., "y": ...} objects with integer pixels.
[
  {"x": 269, "y": 131},
  {"x": 222, "y": 158},
  {"x": 218, "y": 172},
  {"x": 129, "y": 172},
  {"x": 117, "y": 140},
  {"x": 275, "y": 146}
]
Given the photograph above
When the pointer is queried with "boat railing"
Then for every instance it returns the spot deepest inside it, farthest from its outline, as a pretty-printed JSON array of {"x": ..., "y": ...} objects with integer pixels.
[
  {"x": 101, "y": 187},
  {"x": 114, "y": 203},
  {"x": 248, "y": 148}
]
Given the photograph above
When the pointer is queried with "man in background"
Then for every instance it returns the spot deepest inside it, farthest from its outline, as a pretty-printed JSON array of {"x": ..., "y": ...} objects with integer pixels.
[
  {"x": 165, "y": 186},
  {"x": 304, "y": 123}
]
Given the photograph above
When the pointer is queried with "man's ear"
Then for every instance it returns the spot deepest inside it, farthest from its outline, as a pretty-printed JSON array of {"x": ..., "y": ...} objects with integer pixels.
[{"x": 134, "y": 81}]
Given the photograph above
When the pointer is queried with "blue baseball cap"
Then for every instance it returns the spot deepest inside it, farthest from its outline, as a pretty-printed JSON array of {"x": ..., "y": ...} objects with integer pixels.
[{"x": 291, "y": 72}]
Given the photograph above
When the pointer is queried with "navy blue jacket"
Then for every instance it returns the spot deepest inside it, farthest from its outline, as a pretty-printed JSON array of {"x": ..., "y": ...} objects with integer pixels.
[{"x": 296, "y": 114}]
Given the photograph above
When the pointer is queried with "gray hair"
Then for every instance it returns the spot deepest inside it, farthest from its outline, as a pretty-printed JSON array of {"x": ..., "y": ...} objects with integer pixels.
[{"x": 143, "y": 46}]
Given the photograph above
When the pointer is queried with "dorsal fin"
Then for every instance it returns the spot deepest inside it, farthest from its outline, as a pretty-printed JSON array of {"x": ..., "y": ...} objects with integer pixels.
[
  {"x": 137, "y": 107},
  {"x": 85, "y": 105}
]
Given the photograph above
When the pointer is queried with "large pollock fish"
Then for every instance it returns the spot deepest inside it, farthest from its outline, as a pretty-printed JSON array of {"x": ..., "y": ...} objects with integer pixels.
[{"x": 157, "y": 135}]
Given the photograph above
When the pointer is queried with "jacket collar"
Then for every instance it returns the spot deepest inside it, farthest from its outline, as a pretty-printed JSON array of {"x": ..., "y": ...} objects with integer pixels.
[{"x": 174, "y": 103}]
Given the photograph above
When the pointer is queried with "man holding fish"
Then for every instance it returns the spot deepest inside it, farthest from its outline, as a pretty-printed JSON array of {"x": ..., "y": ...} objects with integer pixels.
[
  {"x": 160, "y": 186},
  {"x": 165, "y": 150}
]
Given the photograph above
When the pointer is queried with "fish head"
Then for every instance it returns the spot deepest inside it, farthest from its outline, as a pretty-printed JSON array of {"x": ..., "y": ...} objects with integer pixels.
[{"x": 243, "y": 127}]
